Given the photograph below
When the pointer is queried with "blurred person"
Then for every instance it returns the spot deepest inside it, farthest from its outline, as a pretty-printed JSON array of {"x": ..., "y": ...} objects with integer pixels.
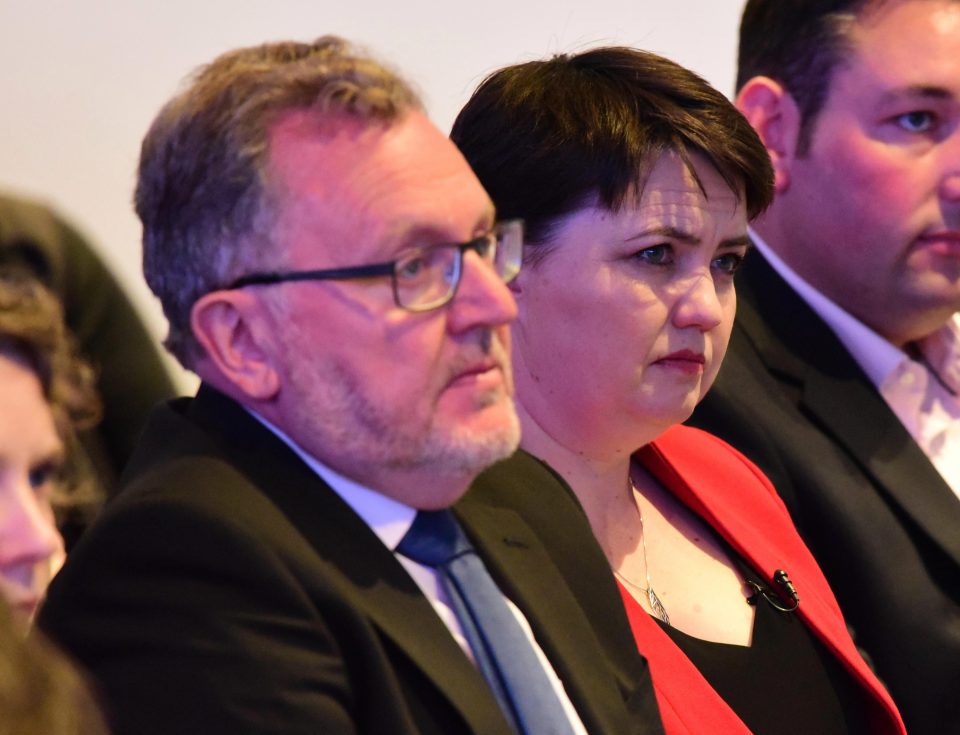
[
  {"x": 130, "y": 374},
  {"x": 112, "y": 337},
  {"x": 636, "y": 181},
  {"x": 46, "y": 393},
  {"x": 844, "y": 366},
  {"x": 280, "y": 557},
  {"x": 41, "y": 693}
]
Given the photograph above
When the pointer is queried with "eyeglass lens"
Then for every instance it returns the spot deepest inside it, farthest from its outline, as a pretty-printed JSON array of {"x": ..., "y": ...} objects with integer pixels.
[{"x": 427, "y": 279}]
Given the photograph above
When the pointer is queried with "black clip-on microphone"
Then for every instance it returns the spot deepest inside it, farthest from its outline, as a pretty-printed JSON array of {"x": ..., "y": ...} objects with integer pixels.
[{"x": 781, "y": 578}]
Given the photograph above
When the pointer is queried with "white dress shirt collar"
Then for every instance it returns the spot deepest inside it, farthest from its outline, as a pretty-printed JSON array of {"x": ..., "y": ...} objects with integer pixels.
[
  {"x": 921, "y": 392},
  {"x": 388, "y": 518},
  {"x": 875, "y": 355}
]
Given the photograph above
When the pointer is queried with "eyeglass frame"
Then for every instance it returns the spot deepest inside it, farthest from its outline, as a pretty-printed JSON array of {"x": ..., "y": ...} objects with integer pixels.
[{"x": 389, "y": 268}]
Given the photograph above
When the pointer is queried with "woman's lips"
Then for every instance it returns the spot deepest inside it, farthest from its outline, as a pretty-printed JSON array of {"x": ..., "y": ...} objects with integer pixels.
[{"x": 685, "y": 361}]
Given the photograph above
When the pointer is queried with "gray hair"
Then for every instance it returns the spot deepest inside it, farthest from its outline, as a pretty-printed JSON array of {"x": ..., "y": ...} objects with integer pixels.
[{"x": 201, "y": 194}]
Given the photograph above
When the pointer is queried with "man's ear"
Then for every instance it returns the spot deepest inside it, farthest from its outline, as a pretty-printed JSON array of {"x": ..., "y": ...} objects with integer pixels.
[
  {"x": 774, "y": 114},
  {"x": 225, "y": 323}
]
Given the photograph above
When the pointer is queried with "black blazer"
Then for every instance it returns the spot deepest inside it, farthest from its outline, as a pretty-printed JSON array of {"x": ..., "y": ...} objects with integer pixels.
[
  {"x": 228, "y": 589},
  {"x": 529, "y": 487},
  {"x": 881, "y": 522}
]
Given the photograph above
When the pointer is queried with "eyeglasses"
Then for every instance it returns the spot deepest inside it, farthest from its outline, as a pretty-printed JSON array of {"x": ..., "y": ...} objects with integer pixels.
[{"x": 425, "y": 278}]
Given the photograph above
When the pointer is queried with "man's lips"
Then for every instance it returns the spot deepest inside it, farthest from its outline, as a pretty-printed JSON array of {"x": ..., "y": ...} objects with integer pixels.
[
  {"x": 478, "y": 372},
  {"x": 944, "y": 242}
]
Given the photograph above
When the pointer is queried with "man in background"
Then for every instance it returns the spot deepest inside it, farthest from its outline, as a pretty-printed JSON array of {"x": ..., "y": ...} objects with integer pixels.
[
  {"x": 843, "y": 374},
  {"x": 279, "y": 558}
]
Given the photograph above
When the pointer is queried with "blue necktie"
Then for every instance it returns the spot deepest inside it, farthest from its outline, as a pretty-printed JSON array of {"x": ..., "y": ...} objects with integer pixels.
[{"x": 501, "y": 649}]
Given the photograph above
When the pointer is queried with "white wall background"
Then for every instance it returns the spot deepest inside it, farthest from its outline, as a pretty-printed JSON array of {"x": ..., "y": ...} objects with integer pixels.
[{"x": 80, "y": 81}]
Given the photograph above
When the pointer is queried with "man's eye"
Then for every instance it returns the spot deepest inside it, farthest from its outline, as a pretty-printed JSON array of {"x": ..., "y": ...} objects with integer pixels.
[
  {"x": 482, "y": 246},
  {"x": 656, "y": 255},
  {"x": 728, "y": 263},
  {"x": 412, "y": 268},
  {"x": 917, "y": 121}
]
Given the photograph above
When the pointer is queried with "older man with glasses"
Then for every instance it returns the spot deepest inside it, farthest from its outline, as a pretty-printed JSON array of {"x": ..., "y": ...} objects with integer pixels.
[{"x": 281, "y": 557}]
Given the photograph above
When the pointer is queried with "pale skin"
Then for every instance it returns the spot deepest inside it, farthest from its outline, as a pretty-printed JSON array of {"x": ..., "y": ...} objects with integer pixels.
[
  {"x": 412, "y": 405},
  {"x": 30, "y": 453},
  {"x": 621, "y": 330},
  {"x": 870, "y": 214}
]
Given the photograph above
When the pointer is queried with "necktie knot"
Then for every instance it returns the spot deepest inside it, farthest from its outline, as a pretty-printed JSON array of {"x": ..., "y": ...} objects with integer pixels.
[{"x": 434, "y": 539}]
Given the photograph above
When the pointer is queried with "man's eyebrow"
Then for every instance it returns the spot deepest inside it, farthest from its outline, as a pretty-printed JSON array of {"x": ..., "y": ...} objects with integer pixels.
[
  {"x": 914, "y": 91},
  {"x": 420, "y": 235}
]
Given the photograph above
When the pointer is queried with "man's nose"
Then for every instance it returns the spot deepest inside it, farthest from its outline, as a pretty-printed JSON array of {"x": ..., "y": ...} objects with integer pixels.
[
  {"x": 482, "y": 298},
  {"x": 950, "y": 183}
]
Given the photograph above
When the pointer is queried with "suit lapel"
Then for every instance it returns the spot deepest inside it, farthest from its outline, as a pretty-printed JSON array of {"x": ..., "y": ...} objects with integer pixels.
[
  {"x": 860, "y": 421},
  {"x": 761, "y": 533},
  {"x": 753, "y": 531},
  {"x": 525, "y": 573},
  {"x": 797, "y": 347},
  {"x": 369, "y": 574}
]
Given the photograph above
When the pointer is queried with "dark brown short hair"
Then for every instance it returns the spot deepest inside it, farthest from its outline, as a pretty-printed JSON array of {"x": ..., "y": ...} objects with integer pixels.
[
  {"x": 201, "y": 192},
  {"x": 548, "y": 137},
  {"x": 800, "y": 44}
]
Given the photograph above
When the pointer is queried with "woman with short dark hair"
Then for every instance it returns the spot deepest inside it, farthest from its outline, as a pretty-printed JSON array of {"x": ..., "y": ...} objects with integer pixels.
[{"x": 637, "y": 180}]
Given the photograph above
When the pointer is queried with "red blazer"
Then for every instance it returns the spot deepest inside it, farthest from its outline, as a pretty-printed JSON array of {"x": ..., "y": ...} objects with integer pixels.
[{"x": 731, "y": 494}]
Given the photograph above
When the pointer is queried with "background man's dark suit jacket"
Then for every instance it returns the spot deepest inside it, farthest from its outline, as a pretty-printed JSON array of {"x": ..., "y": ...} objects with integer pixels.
[
  {"x": 227, "y": 589},
  {"x": 881, "y": 522}
]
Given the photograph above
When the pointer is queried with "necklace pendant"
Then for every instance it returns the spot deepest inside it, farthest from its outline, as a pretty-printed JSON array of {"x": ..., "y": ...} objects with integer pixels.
[{"x": 657, "y": 607}]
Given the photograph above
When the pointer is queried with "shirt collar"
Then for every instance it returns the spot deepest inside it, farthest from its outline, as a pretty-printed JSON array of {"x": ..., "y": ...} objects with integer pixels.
[
  {"x": 941, "y": 352},
  {"x": 388, "y": 518},
  {"x": 876, "y": 356}
]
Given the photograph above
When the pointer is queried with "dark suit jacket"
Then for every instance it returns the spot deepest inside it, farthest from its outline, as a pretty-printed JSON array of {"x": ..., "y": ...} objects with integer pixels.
[
  {"x": 527, "y": 486},
  {"x": 881, "y": 522},
  {"x": 228, "y": 589}
]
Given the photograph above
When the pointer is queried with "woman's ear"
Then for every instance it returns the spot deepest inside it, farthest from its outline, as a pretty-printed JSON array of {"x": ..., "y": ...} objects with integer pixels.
[
  {"x": 774, "y": 114},
  {"x": 225, "y": 323}
]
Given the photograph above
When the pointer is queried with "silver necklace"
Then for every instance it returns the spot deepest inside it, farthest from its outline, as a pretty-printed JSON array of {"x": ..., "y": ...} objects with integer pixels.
[{"x": 656, "y": 606}]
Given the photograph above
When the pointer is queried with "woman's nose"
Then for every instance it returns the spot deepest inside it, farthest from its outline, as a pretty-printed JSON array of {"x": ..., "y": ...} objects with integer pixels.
[
  {"x": 698, "y": 303},
  {"x": 27, "y": 529}
]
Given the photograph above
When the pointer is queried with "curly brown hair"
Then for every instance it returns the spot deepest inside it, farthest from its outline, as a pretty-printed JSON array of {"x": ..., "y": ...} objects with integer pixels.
[{"x": 32, "y": 330}]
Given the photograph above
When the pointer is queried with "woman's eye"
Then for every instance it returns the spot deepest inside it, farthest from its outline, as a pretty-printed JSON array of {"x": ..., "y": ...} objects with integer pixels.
[
  {"x": 42, "y": 474},
  {"x": 728, "y": 263},
  {"x": 656, "y": 255},
  {"x": 917, "y": 121}
]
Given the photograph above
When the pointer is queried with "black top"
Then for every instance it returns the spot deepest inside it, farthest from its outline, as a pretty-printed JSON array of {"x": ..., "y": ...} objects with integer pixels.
[{"x": 821, "y": 697}]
